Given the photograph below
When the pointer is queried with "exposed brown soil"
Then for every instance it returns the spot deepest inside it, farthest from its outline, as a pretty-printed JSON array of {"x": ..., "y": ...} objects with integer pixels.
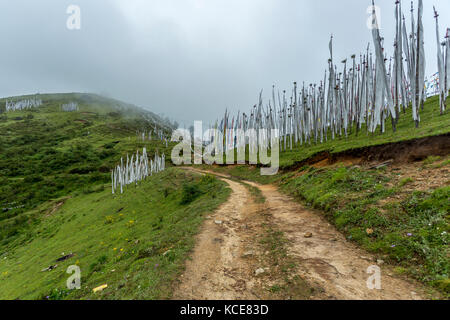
[
  {"x": 332, "y": 266},
  {"x": 55, "y": 207},
  {"x": 426, "y": 175},
  {"x": 419, "y": 176},
  {"x": 216, "y": 270},
  {"x": 226, "y": 256},
  {"x": 400, "y": 152}
]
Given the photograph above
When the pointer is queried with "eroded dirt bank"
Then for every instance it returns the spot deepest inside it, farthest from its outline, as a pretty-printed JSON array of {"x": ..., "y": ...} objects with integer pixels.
[{"x": 399, "y": 152}]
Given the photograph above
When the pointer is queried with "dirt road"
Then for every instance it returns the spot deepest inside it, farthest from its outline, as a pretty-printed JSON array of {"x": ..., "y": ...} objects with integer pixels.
[
  {"x": 334, "y": 268},
  {"x": 217, "y": 269}
]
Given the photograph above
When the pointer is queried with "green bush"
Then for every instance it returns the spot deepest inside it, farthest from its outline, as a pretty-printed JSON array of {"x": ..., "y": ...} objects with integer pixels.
[
  {"x": 98, "y": 264},
  {"x": 190, "y": 192}
]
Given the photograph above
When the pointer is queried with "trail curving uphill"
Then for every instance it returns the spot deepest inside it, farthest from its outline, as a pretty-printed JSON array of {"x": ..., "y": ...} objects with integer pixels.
[
  {"x": 325, "y": 259},
  {"x": 216, "y": 269}
]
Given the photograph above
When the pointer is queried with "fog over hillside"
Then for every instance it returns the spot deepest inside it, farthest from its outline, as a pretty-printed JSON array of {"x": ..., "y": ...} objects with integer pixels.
[{"x": 187, "y": 59}]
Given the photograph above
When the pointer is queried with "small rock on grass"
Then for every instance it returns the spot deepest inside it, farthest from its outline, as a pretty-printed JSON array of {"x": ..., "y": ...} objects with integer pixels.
[
  {"x": 308, "y": 235},
  {"x": 218, "y": 222}
]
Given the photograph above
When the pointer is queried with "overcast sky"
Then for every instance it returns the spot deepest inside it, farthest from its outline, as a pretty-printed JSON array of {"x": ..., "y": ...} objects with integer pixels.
[{"x": 187, "y": 59}]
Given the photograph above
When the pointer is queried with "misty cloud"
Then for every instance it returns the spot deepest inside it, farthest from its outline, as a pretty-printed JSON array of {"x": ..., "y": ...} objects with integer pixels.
[{"x": 188, "y": 59}]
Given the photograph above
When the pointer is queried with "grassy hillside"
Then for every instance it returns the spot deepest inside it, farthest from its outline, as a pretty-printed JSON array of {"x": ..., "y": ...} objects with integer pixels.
[
  {"x": 46, "y": 153},
  {"x": 55, "y": 200},
  {"x": 89, "y": 102},
  {"x": 432, "y": 124},
  {"x": 136, "y": 243}
]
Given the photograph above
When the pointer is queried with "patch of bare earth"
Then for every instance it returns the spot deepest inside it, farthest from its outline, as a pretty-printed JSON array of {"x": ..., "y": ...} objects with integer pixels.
[
  {"x": 216, "y": 270},
  {"x": 55, "y": 206},
  {"x": 415, "y": 176},
  {"x": 230, "y": 262},
  {"x": 424, "y": 177}
]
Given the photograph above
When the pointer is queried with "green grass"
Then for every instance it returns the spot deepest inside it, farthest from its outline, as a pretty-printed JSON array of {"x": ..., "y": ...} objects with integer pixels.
[
  {"x": 242, "y": 172},
  {"x": 55, "y": 167},
  {"x": 136, "y": 243},
  {"x": 46, "y": 154},
  {"x": 290, "y": 285},
  {"x": 256, "y": 193}
]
